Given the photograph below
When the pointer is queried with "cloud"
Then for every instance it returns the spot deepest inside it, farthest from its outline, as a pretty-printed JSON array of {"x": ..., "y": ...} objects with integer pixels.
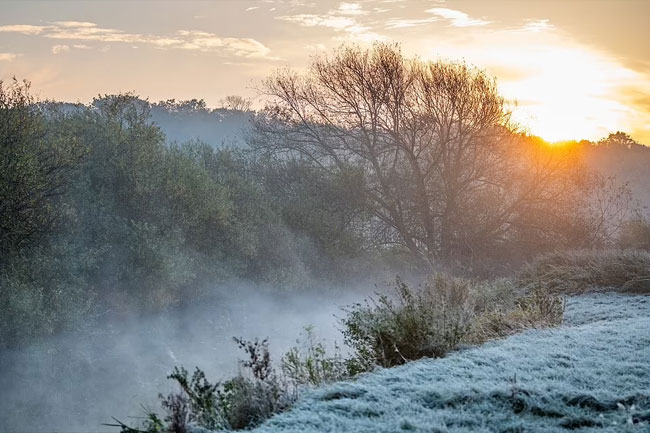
[
  {"x": 184, "y": 39},
  {"x": 63, "y": 48},
  {"x": 25, "y": 29},
  {"x": 351, "y": 9},
  {"x": 344, "y": 19},
  {"x": 315, "y": 47},
  {"x": 205, "y": 41},
  {"x": 337, "y": 23},
  {"x": 398, "y": 23},
  {"x": 457, "y": 18},
  {"x": 252, "y": 8},
  {"x": 537, "y": 25},
  {"x": 57, "y": 49},
  {"x": 75, "y": 24},
  {"x": 7, "y": 57}
]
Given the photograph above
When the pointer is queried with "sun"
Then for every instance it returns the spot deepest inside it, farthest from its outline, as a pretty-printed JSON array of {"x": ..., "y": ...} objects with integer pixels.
[{"x": 573, "y": 94}]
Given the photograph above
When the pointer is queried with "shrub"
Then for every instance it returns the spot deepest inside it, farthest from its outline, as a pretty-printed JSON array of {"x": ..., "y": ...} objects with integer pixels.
[
  {"x": 413, "y": 324},
  {"x": 635, "y": 234},
  {"x": 444, "y": 313},
  {"x": 574, "y": 272},
  {"x": 241, "y": 402},
  {"x": 309, "y": 364},
  {"x": 246, "y": 402}
]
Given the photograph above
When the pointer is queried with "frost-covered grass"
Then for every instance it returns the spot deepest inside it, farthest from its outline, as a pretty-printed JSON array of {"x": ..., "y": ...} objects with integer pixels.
[{"x": 590, "y": 374}]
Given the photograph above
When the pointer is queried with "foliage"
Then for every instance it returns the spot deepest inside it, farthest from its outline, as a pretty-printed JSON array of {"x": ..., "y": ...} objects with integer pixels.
[
  {"x": 44, "y": 292},
  {"x": 574, "y": 272},
  {"x": 635, "y": 234},
  {"x": 241, "y": 402},
  {"x": 159, "y": 222},
  {"x": 36, "y": 161},
  {"x": 441, "y": 315},
  {"x": 327, "y": 209},
  {"x": 236, "y": 103},
  {"x": 309, "y": 363},
  {"x": 416, "y": 324},
  {"x": 198, "y": 400}
]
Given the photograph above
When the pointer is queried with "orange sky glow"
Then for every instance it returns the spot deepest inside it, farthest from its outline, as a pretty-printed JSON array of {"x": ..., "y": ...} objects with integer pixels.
[{"x": 576, "y": 70}]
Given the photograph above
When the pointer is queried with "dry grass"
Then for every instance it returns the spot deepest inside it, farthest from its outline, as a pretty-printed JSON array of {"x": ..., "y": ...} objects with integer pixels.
[{"x": 625, "y": 271}]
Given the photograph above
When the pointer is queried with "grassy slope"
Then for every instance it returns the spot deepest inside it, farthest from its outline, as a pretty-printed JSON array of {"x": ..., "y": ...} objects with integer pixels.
[{"x": 593, "y": 373}]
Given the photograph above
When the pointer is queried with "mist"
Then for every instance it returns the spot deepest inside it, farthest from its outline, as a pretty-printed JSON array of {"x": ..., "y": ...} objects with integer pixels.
[{"x": 76, "y": 382}]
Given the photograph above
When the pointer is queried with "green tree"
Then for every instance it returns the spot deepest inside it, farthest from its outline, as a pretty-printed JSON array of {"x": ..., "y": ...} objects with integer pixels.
[{"x": 35, "y": 166}]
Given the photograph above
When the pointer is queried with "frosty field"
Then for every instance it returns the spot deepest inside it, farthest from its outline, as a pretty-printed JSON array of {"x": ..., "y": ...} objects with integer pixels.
[{"x": 591, "y": 375}]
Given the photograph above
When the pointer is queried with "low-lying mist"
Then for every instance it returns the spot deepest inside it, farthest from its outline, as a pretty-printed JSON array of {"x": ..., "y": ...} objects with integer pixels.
[{"x": 78, "y": 381}]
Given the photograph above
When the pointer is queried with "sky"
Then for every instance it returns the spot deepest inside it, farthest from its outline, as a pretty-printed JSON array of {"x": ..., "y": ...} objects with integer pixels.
[{"x": 574, "y": 69}]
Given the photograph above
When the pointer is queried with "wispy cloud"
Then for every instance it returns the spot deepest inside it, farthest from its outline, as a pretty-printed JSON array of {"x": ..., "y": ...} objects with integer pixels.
[
  {"x": 185, "y": 39},
  {"x": 75, "y": 24},
  {"x": 25, "y": 29},
  {"x": 397, "y": 23},
  {"x": 205, "y": 41},
  {"x": 57, "y": 49},
  {"x": 64, "y": 48},
  {"x": 332, "y": 21},
  {"x": 457, "y": 18},
  {"x": 351, "y": 9},
  {"x": 345, "y": 19},
  {"x": 537, "y": 25},
  {"x": 8, "y": 57}
]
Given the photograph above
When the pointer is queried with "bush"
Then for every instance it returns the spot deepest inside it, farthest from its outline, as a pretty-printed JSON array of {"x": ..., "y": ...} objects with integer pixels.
[
  {"x": 627, "y": 271},
  {"x": 635, "y": 234},
  {"x": 309, "y": 364},
  {"x": 413, "y": 324},
  {"x": 241, "y": 402},
  {"x": 441, "y": 315}
]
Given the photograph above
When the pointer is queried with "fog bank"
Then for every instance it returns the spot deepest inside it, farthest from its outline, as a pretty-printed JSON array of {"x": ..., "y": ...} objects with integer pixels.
[{"x": 76, "y": 382}]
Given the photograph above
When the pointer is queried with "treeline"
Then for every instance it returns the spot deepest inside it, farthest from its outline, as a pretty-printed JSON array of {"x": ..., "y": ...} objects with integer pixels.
[
  {"x": 369, "y": 160},
  {"x": 99, "y": 212}
]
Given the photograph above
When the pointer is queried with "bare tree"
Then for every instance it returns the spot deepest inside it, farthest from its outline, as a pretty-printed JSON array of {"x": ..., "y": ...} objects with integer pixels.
[{"x": 444, "y": 170}]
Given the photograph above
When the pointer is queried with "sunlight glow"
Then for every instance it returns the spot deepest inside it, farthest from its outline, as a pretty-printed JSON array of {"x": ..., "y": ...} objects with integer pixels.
[
  {"x": 573, "y": 95},
  {"x": 563, "y": 90}
]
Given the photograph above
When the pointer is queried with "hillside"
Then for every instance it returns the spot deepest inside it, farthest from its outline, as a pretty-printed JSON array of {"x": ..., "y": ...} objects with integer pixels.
[{"x": 591, "y": 374}]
